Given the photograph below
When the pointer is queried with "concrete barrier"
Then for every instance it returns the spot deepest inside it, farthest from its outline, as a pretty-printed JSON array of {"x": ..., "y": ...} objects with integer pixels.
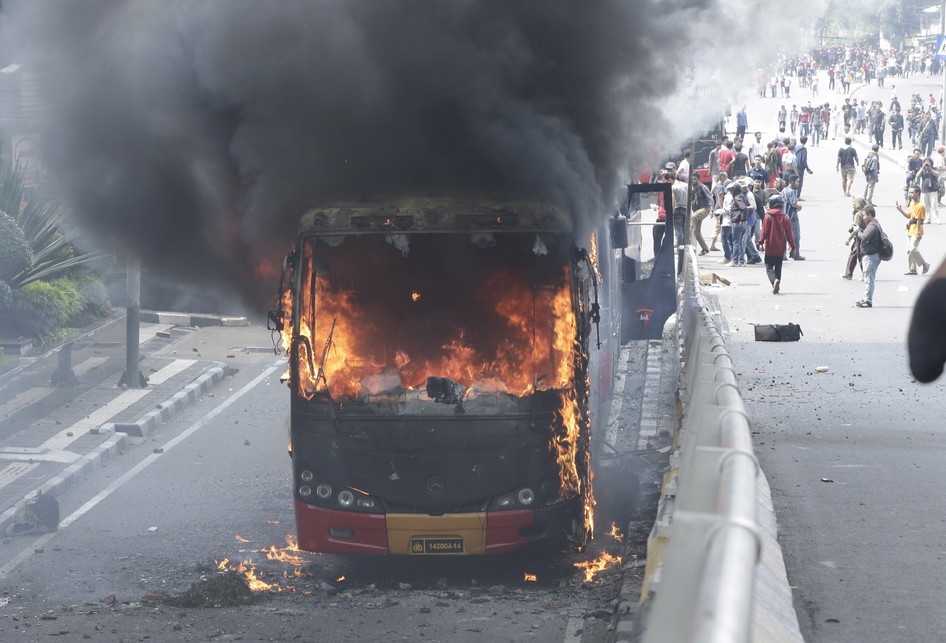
[{"x": 714, "y": 569}]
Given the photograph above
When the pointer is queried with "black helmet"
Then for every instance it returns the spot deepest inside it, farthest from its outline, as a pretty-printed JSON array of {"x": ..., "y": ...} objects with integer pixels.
[{"x": 776, "y": 202}]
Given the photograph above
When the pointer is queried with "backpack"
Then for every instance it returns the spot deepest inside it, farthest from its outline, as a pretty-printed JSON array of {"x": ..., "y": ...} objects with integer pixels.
[
  {"x": 740, "y": 213},
  {"x": 886, "y": 247},
  {"x": 868, "y": 166}
]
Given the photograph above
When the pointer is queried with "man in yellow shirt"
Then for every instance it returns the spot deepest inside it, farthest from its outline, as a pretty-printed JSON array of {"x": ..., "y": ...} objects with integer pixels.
[{"x": 916, "y": 214}]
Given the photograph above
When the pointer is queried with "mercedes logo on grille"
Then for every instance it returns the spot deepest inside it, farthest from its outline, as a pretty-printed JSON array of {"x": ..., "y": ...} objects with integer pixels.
[{"x": 436, "y": 484}]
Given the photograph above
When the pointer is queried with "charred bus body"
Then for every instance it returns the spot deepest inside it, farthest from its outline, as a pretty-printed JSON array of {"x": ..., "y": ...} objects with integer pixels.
[{"x": 440, "y": 356}]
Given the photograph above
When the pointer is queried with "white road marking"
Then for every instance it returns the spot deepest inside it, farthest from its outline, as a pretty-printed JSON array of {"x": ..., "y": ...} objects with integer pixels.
[
  {"x": 134, "y": 471},
  {"x": 34, "y": 395},
  {"x": 37, "y": 455},
  {"x": 97, "y": 418},
  {"x": 15, "y": 471}
]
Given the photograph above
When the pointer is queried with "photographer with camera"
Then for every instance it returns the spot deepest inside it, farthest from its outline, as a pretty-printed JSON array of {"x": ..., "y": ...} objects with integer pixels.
[
  {"x": 915, "y": 215},
  {"x": 928, "y": 180}
]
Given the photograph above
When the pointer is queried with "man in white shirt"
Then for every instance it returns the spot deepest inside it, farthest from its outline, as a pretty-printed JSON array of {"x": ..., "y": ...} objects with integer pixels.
[{"x": 758, "y": 148}]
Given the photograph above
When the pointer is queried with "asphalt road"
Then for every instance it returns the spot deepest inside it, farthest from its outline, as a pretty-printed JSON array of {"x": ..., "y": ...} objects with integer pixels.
[
  {"x": 854, "y": 455},
  {"x": 214, "y": 484}
]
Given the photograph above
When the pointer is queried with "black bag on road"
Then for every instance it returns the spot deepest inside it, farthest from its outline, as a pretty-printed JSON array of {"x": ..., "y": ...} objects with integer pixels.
[{"x": 778, "y": 332}]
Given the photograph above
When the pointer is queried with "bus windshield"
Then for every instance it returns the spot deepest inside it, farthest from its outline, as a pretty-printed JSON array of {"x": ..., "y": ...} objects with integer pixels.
[{"x": 433, "y": 324}]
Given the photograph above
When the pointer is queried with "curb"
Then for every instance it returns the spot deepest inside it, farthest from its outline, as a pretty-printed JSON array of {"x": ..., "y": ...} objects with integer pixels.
[
  {"x": 188, "y": 319},
  {"x": 69, "y": 477},
  {"x": 118, "y": 443},
  {"x": 150, "y": 422}
]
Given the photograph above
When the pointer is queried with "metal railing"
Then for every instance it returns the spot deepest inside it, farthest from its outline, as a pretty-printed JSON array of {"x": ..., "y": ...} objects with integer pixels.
[{"x": 705, "y": 543}]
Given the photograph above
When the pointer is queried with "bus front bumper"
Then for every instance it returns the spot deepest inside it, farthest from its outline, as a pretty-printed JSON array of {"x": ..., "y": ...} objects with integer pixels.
[{"x": 496, "y": 532}]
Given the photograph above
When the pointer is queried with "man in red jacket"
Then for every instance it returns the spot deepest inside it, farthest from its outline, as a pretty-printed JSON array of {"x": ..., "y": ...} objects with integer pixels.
[{"x": 776, "y": 234}]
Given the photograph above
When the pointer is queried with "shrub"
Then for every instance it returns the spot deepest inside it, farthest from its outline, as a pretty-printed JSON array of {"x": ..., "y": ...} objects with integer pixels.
[
  {"x": 41, "y": 308},
  {"x": 93, "y": 293},
  {"x": 15, "y": 253}
]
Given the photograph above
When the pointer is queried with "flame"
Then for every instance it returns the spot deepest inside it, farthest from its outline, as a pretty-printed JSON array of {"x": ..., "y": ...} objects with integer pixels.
[
  {"x": 339, "y": 579},
  {"x": 249, "y": 570},
  {"x": 535, "y": 352},
  {"x": 593, "y": 256},
  {"x": 598, "y": 565},
  {"x": 615, "y": 533},
  {"x": 241, "y": 538},
  {"x": 284, "y": 555},
  {"x": 530, "y": 577}
]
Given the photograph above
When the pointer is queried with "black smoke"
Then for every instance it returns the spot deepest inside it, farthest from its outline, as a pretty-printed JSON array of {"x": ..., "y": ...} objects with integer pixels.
[{"x": 195, "y": 133}]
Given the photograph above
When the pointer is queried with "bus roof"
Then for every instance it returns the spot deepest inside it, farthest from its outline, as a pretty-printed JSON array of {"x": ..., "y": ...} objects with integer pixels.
[{"x": 417, "y": 215}]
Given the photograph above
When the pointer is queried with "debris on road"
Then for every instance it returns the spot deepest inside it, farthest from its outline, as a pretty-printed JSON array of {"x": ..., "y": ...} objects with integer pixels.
[{"x": 225, "y": 590}]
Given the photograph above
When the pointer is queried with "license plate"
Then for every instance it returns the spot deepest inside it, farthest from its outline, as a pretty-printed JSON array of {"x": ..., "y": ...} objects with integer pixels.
[{"x": 436, "y": 545}]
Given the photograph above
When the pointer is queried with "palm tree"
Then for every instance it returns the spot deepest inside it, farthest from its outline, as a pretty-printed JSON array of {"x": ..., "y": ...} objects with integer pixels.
[{"x": 42, "y": 219}]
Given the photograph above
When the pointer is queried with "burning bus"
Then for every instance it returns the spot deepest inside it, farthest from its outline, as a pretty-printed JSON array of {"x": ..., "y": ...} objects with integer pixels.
[{"x": 440, "y": 354}]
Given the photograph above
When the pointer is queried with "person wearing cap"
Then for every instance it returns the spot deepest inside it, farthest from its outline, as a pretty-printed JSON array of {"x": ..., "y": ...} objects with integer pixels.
[
  {"x": 928, "y": 180},
  {"x": 776, "y": 236},
  {"x": 679, "y": 196}
]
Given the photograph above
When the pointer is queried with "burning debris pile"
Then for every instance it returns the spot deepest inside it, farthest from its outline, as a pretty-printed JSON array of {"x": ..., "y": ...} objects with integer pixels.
[
  {"x": 241, "y": 583},
  {"x": 228, "y": 589}
]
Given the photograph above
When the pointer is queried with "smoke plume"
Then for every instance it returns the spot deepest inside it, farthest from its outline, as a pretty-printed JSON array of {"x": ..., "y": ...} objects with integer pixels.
[{"x": 195, "y": 133}]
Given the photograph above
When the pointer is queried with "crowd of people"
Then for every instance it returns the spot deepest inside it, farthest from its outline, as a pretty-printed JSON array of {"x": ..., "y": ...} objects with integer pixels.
[{"x": 754, "y": 199}]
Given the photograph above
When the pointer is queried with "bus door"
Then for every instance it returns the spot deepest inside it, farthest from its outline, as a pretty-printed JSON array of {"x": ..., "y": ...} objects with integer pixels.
[{"x": 648, "y": 284}]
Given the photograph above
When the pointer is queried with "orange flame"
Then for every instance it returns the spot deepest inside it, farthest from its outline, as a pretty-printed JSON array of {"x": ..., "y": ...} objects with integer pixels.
[
  {"x": 351, "y": 358},
  {"x": 615, "y": 533},
  {"x": 339, "y": 579},
  {"x": 598, "y": 565},
  {"x": 593, "y": 255},
  {"x": 283, "y": 555},
  {"x": 241, "y": 538},
  {"x": 530, "y": 577},
  {"x": 249, "y": 570}
]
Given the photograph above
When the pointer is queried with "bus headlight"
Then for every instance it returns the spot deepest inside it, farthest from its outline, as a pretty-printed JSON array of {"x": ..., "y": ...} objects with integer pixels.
[
  {"x": 305, "y": 491},
  {"x": 306, "y": 476},
  {"x": 526, "y": 496},
  {"x": 323, "y": 491},
  {"x": 366, "y": 503},
  {"x": 346, "y": 498}
]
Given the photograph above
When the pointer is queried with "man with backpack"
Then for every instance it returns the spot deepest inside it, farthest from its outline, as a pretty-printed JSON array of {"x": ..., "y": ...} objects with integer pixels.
[
  {"x": 739, "y": 219},
  {"x": 915, "y": 215},
  {"x": 871, "y": 244},
  {"x": 776, "y": 235},
  {"x": 871, "y": 169}
]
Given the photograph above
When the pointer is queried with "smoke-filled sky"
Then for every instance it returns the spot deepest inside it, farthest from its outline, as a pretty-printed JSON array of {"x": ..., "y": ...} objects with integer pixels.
[{"x": 197, "y": 131}]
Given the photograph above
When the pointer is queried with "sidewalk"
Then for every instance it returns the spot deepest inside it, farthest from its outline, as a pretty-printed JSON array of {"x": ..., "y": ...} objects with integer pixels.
[{"x": 50, "y": 436}]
